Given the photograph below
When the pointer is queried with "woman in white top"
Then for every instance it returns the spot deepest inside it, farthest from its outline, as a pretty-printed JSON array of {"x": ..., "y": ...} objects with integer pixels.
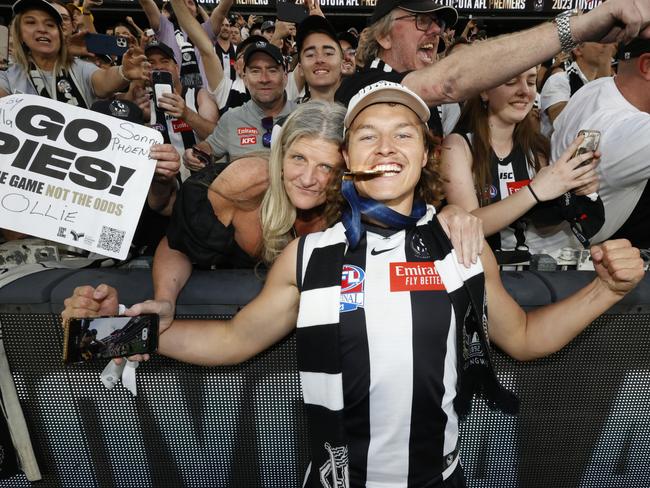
[{"x": 44, "y": 67}]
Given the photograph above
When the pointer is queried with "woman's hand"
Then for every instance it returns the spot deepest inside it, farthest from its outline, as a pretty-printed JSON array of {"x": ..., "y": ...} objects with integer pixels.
[
  {"x": 567, "y": 173},
  {"x": 135, "y": 65},
  {"x": 465, "y": 232}
]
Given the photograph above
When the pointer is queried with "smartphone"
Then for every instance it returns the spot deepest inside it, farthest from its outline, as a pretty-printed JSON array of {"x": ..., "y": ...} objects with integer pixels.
[
  {"x": 4, "y": 47},
  {"x": 290, "y": 12},
  {"x": 162, "y": 82},
  {"x": 105, "y": 44},
  {"x": 87, "y": 339},
  {"x": 589, "y": 143},
  {"x": 202, "y": 156}
]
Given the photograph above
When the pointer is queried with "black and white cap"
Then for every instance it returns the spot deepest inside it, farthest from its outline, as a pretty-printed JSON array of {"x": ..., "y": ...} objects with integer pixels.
[{"x": 385, "y": 92}]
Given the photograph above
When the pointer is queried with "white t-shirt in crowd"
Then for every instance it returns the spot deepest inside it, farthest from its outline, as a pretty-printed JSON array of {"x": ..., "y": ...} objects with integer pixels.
[
  {"x": 557, "y": 89},
  {"x": 624, "y": 167}
]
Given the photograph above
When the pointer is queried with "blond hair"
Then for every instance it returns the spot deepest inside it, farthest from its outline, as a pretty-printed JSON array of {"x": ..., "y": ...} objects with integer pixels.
[
  {"x": 314, "y": 119},
  {"x": 369, "y": 48},
  {"x": 22, "y": 56}
]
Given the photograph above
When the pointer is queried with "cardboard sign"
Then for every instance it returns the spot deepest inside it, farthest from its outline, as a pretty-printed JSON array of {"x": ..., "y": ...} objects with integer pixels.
[{"x": 71, "y": 175}]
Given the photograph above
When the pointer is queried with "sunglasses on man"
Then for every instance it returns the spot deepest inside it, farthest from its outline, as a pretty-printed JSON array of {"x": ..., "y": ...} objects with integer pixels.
[{"x": 267, "y": 125}]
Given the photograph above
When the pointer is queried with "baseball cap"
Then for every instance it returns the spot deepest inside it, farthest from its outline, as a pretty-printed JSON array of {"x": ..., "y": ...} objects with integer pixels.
[
  {"x": 252, "y": 39},
  {"x": 162, "y": 47},
  {"x": 633, "y": 49},
  {"x": 312, "y": 24},
  {"x": 267, "y": 25},
  {"x": 385, "y": 92},
  {"x": 349, "y": 37},
  {"x": 122, "y": 109},
  {"x": 266, "y": 48},
  {"x": 23, "y": 5},
  {"x": 383, "y": 7}
]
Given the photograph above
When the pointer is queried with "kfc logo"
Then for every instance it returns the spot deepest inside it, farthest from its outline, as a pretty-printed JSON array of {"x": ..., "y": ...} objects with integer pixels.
[{"x": 248, "y": 140}]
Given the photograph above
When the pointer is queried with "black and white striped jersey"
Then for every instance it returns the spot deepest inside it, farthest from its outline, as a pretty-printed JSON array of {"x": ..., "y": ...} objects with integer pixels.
[{"x": 398, "y": 357}]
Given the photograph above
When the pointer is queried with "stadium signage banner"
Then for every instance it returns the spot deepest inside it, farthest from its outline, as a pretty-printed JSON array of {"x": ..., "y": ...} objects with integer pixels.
[
  {"x": 360, "y": 7},
  {"x": 71, "y": 175}
]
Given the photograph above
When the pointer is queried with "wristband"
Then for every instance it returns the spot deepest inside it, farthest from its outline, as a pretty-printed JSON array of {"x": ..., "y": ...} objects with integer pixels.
[
  {"x": 530, "y": 187},
  {"x": 120, "y": 71}
]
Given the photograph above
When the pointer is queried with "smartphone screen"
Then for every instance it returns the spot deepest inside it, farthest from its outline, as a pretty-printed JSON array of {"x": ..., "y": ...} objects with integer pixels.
[
  {"x": 87, "y": 339},
  {"x": 162, "y": 82}
]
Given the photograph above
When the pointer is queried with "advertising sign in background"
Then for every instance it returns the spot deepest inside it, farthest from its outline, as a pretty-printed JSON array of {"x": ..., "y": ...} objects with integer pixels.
[
  {"x": 71, "y": 175},
  {"x": 366, "y": 6}
]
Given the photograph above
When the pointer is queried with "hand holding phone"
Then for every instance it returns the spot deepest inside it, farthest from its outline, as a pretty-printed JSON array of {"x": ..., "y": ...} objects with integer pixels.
[
  {"x": 588, "y": 144},
  {"x": 201, "y": 155},
  {"x": 162, "y": 82},
  {"x": 86, "y": 339}
]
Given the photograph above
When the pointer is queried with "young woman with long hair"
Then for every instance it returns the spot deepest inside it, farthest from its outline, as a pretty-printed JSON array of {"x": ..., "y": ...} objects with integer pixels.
[{"x": 495, "y": 165}]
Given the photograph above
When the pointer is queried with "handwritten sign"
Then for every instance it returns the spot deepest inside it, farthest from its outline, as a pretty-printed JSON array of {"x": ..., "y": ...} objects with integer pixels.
[{"x": 72, "y": 175}]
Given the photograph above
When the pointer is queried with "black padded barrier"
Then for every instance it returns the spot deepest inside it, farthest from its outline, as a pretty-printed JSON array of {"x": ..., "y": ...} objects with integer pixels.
[{"x": 585, "y": 418}]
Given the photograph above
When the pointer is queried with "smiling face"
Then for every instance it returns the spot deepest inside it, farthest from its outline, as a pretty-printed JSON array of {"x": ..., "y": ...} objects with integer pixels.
[
  {"x": 406, "y": 48},
  {"x": 265, "y": 80},
  {"x": 511, "y": 102},
  {"x": 320, "y": 60},
  {"x": 225, "y": 32},
  {"x": 308, "y": 166},
  {"x": 40, "y": 33},
  {"x": 388, "y": 137},
  {"x": 349, "y": 65}
]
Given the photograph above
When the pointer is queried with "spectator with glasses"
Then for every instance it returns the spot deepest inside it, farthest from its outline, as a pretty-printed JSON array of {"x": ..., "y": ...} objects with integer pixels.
[
  {"x": 403, "y": 36},
  {"x": 401, "y": 45},
  {"x": 247, "y": 129}
]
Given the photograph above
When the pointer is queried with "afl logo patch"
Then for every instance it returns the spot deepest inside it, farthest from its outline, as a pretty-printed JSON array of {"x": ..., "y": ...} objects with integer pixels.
[
  {"x": 352, "y": 283},
  {"x": 493, "y": 191}
]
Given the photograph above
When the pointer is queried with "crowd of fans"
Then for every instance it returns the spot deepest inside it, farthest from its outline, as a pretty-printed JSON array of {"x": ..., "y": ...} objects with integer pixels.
[
  {"x": 260, "y": 121},
  {"x": 236, "y": 80}
]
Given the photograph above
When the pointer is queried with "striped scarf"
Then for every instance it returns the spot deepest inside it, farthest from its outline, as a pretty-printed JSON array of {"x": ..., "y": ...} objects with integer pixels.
[{"x": 319, "y": 268}]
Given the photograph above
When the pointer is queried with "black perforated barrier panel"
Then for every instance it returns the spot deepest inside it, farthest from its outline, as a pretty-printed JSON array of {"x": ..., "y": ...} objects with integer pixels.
[{"x": 585, "y": 419}]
